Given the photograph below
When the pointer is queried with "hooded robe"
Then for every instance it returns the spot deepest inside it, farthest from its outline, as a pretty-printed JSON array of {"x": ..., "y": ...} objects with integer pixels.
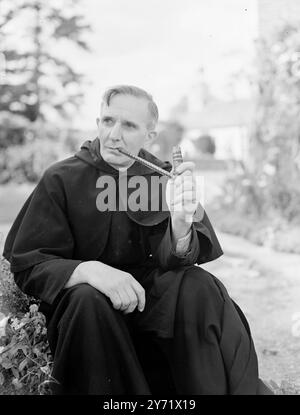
[{"x": 60, "y": 226}]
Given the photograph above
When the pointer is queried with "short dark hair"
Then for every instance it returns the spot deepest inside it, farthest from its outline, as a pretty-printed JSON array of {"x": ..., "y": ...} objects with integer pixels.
[{"x": 136, "y": 92}]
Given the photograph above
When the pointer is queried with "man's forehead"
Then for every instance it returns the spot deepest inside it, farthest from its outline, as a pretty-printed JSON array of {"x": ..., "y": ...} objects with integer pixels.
[{"x": 127, "y": 106}]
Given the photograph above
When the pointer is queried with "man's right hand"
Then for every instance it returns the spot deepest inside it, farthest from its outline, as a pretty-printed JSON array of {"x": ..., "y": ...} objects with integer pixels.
[{"x": 124, "y": 291}]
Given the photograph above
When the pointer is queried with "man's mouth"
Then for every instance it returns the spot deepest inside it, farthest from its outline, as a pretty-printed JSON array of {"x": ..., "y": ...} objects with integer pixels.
[{"x": 113, "y": 148}]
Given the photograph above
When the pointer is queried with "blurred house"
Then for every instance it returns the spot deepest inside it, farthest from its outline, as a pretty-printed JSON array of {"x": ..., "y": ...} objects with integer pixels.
[
  {"x": 170, "y": 133},
  {"x": 229, "y": 123}
]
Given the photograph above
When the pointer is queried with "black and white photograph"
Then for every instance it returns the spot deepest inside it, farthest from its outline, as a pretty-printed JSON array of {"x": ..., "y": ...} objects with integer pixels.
[{"x": 149, "y": 200}]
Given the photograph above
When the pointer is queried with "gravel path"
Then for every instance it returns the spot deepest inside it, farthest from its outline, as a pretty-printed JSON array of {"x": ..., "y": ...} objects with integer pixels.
[{"x": 266, "y": 285}]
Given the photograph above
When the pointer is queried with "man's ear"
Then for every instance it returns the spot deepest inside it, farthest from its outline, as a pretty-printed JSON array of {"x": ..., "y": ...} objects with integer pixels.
[
  {"x": 97, "y": 121},
  {"x": 151, "y": 136}
]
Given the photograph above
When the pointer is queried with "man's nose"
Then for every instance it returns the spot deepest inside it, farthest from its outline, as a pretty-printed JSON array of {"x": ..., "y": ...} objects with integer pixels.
[{"x": 116, "y": 132}]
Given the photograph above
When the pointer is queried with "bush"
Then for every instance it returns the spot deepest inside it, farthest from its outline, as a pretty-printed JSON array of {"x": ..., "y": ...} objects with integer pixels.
[
  {"x": 26, "y": 163},
  {"x": 267, "y": 188},
  {"x": 25, "y": 357},
  {"x": 12, "y": 299},
  {"x": 43, "y": 145},
  {"x": 275, "y": 140},
  {"x": 242, "y": 192},
  {"x": 278, "y": 234},
  {"x": 12, "y": 129}
]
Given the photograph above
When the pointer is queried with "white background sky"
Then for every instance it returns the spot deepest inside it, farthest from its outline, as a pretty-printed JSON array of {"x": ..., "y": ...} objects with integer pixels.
[{"x": 160, "y": 45}]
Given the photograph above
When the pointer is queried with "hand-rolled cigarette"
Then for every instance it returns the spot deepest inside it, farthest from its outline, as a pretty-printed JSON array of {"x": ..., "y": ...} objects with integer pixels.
[{"x": 146, "y": 163}]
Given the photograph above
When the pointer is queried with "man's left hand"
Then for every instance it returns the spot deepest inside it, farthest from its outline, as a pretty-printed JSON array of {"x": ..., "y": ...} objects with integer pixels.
[{"x": 181, "y": 199}]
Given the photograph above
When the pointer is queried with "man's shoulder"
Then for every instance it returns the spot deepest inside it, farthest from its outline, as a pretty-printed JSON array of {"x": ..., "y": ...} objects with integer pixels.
[
  {"x": 63, "y": 171},
  {"x": 64, "y": 167}
]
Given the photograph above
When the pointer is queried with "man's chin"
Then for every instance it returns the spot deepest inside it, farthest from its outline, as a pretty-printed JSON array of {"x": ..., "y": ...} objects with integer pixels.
[{"x": 116, "y": 161}]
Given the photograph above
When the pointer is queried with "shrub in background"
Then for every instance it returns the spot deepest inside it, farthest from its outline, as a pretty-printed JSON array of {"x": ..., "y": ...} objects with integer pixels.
[
  {"x": 267, "y": 188},
  {"x": 13, "y": 129},
  {"x": 43, "y": 145},
  {"x": 275, "y": 145}
]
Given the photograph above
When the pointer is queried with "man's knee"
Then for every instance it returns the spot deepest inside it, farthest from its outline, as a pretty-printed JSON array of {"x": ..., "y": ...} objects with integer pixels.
[
  {"x": 201, "y": 303},
  {"x": 200, "y": 285},
  {"x": 85, "y": 296}
]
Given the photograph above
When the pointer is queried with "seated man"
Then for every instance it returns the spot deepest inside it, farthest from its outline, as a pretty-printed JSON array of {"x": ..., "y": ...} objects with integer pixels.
[{"x": 127, "y": 309}]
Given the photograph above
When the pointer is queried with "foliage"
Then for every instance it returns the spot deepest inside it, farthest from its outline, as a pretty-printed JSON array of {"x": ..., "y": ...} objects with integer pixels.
[
  {"x": 26, "y": 163},
  {"x": 247, "y": 207},
  {"x": 277, "y": 234},
  {"x": 241, "y": 191},
  {"x": 275, "y": 145},
  {"x": 25, "y": 357},
  {"x": 13, "y": 300},
  {"x": 267, "y": 188},
  {"x": 44, "y": 146},
  {"x": 38, "y": 82},
  {"x": 12, "y": 129}
]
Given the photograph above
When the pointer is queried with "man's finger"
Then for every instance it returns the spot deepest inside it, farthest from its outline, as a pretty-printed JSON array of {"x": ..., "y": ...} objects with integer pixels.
[
  {"x": 133, "y": 300},
  {"x": 185, "y": 183},
  {"x": 185, "y": 166},
  {"x": 184, "y": 180},
  {"x": 140, "y": 292},
  {"x": 116, "y": 300},
  {"x": 125, "y": 298},
  {"x": 184, "y": 197}
]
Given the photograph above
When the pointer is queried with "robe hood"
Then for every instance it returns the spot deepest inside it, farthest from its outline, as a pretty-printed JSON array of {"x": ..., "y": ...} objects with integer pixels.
[
  {"x": 155, "y": 196},
  {"x": 90, "y": 153}
]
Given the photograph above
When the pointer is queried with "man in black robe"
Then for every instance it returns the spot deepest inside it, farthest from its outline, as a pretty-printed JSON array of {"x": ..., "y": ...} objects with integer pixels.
[{"x": 128, "y": 310}]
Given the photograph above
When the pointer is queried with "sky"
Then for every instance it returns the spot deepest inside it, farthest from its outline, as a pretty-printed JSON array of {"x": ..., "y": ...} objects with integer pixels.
[{"x": 160, "y": 45}]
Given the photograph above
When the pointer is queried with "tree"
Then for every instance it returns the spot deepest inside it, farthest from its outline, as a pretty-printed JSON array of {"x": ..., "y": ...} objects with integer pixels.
[
  {"x": 276, "y": 139},
  {"x": 37, "y": 81}
]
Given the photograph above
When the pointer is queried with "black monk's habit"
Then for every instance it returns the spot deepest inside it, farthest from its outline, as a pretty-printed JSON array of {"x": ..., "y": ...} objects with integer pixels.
[{"x": 190, "y": 338}]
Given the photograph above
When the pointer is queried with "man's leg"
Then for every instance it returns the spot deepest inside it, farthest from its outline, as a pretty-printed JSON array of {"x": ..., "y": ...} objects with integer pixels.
[
  {"x": 92, "y": 348},
  {"x": 212, "y": 351},
  {"x": 155, "y": 365}
]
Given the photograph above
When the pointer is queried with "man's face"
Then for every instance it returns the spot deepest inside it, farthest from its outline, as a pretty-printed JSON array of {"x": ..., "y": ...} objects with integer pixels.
[{"x": 124, "y": 123}]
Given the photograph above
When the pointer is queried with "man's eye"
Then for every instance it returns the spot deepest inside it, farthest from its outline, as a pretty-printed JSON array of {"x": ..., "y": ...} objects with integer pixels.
[
  {"x": 107, "y": 121},
  {"x": 129, "y": 125}
]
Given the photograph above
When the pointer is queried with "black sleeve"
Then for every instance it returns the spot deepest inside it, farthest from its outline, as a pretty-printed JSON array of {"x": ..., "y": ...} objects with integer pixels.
[
  {"x": 166, "y": 255},
  {"x": 41, "y": 241},
  {"x": 204, "y": 246},
  {"x": 45, "y": 281}
]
